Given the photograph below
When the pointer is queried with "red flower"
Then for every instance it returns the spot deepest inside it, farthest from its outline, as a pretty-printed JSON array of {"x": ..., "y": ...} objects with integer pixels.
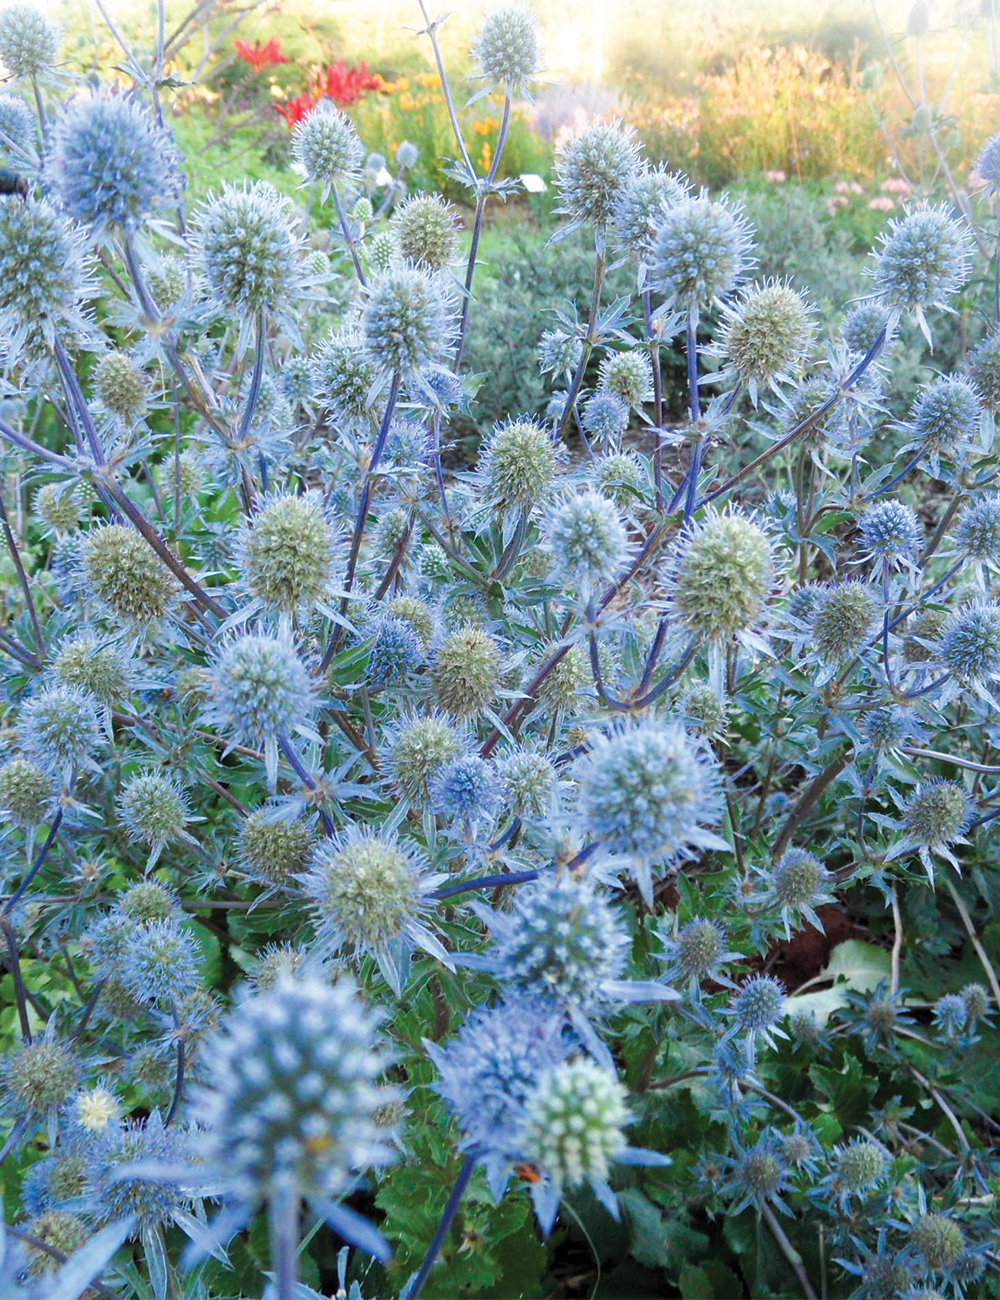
[
  {"x": 261, "y": 56},
  {"x": 342, "y": 84},
  {"x": 295, "y": 110}
]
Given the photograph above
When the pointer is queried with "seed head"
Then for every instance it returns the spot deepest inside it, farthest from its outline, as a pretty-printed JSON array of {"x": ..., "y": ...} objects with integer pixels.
[
  {"x": 620, "y": 478},
  {"x": 924, "y": 259},
  {"x": 28, "y": 41},
  {"x": 587, "y": 541},
  {"x": 125, "y": 575},
  {"x": 843, "y": 620},
  {"x": 290, "y": 1088},
  {"x": 757, "y": 1006},
  {"x": 723, "y": 576},
  {"x": 978, "y": 530},
  {"x": 152, "y": 1200},
  {"x": 605, "y": 416},
  {"x": 249, "y": 249},
  {"x": 516, "y": 466},
  {"x": 592, "y": 170},
  {"x": 700, "y": 253},
  {"x": 936, "y": 814},
  {"x": 327, "y": 145},
  {"x": 408, "y": 321},
  {"x": 160, "y": 963},
  {"x": 420, "y": 746},
  {"x": 59, "y": 730},
  {"x": 63, "y": 1232},
  {"x": 148, "y": 901},
  {"x": 110, "y": 162},
  {"x": 573, "y": 1122},
  {"x": 862, "y": 326},
  {"x": 559, "y": 351},
  {"x": 289, "y": 553},
  {"x": 274, "y": 851},
  {"x": 506, "y": 50},
  {"x": 120, "y": 386},
  {"x": 417, "y": 613},
  {"x": 466, "y": 672},
  {"x": 44, "y": 271},
  {"x": 25, "y": 791},
  {"x": 426, "y": 231},
  {"x": 860, "y": 1166},
  {"x": 530, "y": 778},
  {"x": 261, "y": 687},
  {"x": 39, "y": 1076},
  {"x": 945, "y": 417},
  {"x": 977, "y": 1002},
  {"x": 343, "y": 377}
]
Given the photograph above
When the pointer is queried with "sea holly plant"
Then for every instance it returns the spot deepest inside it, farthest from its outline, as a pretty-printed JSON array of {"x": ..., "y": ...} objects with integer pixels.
[{"x": 425, "y": 877}]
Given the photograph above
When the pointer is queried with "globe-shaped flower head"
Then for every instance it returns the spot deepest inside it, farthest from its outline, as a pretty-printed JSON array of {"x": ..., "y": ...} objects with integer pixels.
[
  {"x": 843, "y": 619},
  {"x": 647, "y": 793},
  {"x": 109, "y": 162},
  {"x": 271, "y": 849},
  {"x": 28, "y": 41},
  {"x": 417, "y": 749},
  {"x": 370, "y": 893},
  {"x": 119, "y": 386},
  {"x": 766, "y": 336},
  {"x": 970, "y": 645},
  {"x": 152, "y": 1200},
  {"x": 697, "y": 953},
  {"x": 466, "y": 671},
  {"x": 890, "y": 533},
  {"x": 934, "y": 817},
  {"x": 44, "y": 273},
  {"x": 126, "y": 577},
  {"x": 587, "y": 541},
  {"x": 923, "y": 261},
  {"x": 605, "y": 417},
  {"x": 343, "y": 377},
  {"x": 18, "y": 128},
  {"x": 154, "y": 812},
  {"x": 290, "y": 1090},
  {"x": 408, "y": 321},
  {"x": 984, "y": 371},
  {"x": 988, "y": 163},
  {"x": 700, "y": 253},
  {"x": 468, "y": 791},
  {"x": 944, "y": 420},
  {"x": 261, "y": 687},
  {"x": 25, "y": 791},
  {"x": 289, "y": 553},
  {"x": 516, "y": 465},
  {"x": 628, "y": 375},
  {"x": 977, "y": 534},
  {"x": 249, "y": 250},
  {"x": 756, "y": 1007},
  {"x": 722, "y": 578},
  {"x": 506, "y": 50},
  {"x": 58, "y": 728},
  {"x": 327, "y": 145},
  {"x": 641, "y": 207},
  {"x": 592, "y": 169},
  {"x": 426, "y": 231}
]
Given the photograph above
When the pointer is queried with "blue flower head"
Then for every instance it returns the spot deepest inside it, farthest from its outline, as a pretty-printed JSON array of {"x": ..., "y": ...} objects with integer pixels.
[
  {"x": 468, "y": 790},
  {"x": 648, "y": 794},
  {"x": 605, "y": 417},
  {"x": 890, "y": 533},
  {"x": 395, "y": 652},
  {"x": 110, "y": 162},
  {"x": 114, "y": 1193}
]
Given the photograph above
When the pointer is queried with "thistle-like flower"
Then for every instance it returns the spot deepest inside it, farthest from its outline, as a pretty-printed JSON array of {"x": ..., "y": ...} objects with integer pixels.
[
  {"x": 506, "y": 50},
  {"x": 696, "y": 953},
  {"x": 426, "y": 231},
  {"x": 592, "y": 170},
  {"x": 756, "y": 1008},
  {"x": 154, "y": 813},
  {"x": 723, "y": 575},
  {"x": 605, "y": 417},
  {"x": 113, "y": 1193},
  {"x": 289, "y": 554},
  {"x": 44, "y": 273},
  {"x": 468, "y": 791},
  {"x": 466, "y": 671},
  {"x": 124, "y": 574},
  {"x": 261, "y": 687},
  {"x": 647, "y": 794},
  {"x": 25, "y": 791},
  {"x": 517, "y": 464},
  {"x": 629, "y": 375},
  {"x": 408, "y": 321},
  {"x": 119, "y": 386},
  {"x": 700, "y": 253},
  {"x": 796, "y": 884},
  {"x": 110, "y": 162},
  {"x": 327, "y": 145},
  {"x": 944, "y": 422},
  {"x": 891, "y": 534},
  {"x": 273, "y": 850},
  {"x": 969, "y": 647},
  {"x": 59, "y": 729},
  {"x": 587, "y": 541},
  {"x": 934, "y": 817},
  {"x": 977, "y": 535},
  {"x": 287, "y": 1106},
  {"x": 923, "y": 261},
  {"x": 844, "y": 619},
  {"x": 641, "y": 206},
  {"x": 984, "y": 371},
  {"x": 160, "y": 963},
  {"x": 765, "y": 337},
  {"x": 28, "y": 41},
  {"x": 371, "y": 893},
  {"x": 416, "y": 750},
  {"x": 344, "y": 377}
]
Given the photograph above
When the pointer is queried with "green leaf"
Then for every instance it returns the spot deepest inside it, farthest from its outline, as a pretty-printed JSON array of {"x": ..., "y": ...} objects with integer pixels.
[{"x": 853, "y": 965}]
